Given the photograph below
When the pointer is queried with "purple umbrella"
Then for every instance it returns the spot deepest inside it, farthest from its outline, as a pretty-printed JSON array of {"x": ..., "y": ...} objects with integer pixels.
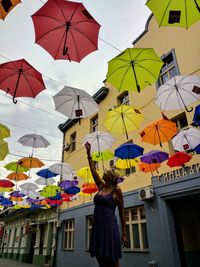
[
  {"x": 17, "y": 194},
  {"x": 68, "y": 183},
  {"x": 154, "y": 156}
]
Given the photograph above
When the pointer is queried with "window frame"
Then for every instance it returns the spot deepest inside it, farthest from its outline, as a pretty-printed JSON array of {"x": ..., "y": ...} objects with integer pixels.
[
  {"x": 94, "y": 126},
  {"x": 121, "y": 97},
  {"x": 66, "y": 231},
  {"x": 72, "y": 142},
  {"x": 89, "y": 219}
]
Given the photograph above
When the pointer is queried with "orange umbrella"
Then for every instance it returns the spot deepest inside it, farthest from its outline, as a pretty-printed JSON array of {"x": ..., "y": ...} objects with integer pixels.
[
  {"x": 17, "y": 176},
  {"x": 6, "y": 6},
  {"x": 30, "y": 162},
  {"x": 159, "y": 131},
  {"x": 89, "y": 188},
  {"x": 145, "y": 167},
  {"x": 17, "y": 199}
]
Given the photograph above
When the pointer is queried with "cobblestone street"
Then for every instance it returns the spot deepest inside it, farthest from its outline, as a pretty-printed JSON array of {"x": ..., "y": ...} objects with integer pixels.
[{"x": 10, "y": 263}]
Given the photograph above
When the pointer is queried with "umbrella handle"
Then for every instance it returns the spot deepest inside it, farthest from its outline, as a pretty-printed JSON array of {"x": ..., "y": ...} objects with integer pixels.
[
  {"x": 189, "y": 110},
  {"x": 14, "y": 100}
]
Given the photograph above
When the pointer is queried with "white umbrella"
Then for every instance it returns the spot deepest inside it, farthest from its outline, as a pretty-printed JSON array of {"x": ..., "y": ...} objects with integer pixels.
[
  {"x": 178, "y": 93},
  {"x": 43, "y": 181},
  {"x": 75, "y": 103},
  {"x": 28, "y": 188},
  {"x": 99, "y": 141},
  {"x": 63, "y": 169},
  {"x": 186, "y": 140}
]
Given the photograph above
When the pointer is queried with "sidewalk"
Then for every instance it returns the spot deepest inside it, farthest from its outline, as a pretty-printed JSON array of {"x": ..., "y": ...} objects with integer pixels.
[{"x": 11, "y": 263}]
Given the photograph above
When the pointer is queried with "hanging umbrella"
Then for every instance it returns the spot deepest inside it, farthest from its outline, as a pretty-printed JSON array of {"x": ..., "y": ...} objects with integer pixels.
[
  {"x": 178, "y": 93},
  {"x": 28, "y": 188},
  {"x": 134, "y": 69},
  {"x": 178, "y": 159},
  {"x": 186, "y": 140},
  {"x": 66, "y": 30},
  {"x": 30, "y": 162},
  {"x": 145, "y": 167},
  {"x": 154, "y": 156},
  {"x": 89, "y": 188},
  {"x": 99, "y": 141},
  {"x": 46, "y": 173},
  {"x": 63, "y": 169},
  {"x": 43, "y": 181},
  {"x": 159, "y": 131},
  {"x": 196, "y": 118},
  {"x": 6, "y": 6},
  {"x": 180, "y": 13},
  {"x": 73, "y": 190},
  {"x": 123, "y": 119},
  {"x": 126, "y": 163},
  {"x": 50, "y": 191},
  {"x": 104, "y": 155},
  {"x": 128, "y": 151},
  {"x": 19, "y": 79},
  {"x": 6, "y": 203},
  {"x": 3, "y": 149},
  {"x": 6, "y": 183},
  {"x": 14, "y": 166},
  {"x": 4, "y": 131},
  {"x": 17, "y": 176},
  {"x": 5, "y": 189},
  {"x": 68, "y": 183},
  {"x": 85, "y": 174},
  {"x": 75, "y": 103},
  {"x": 16, "y": 199},
  {"x": 197, "y": 149}
]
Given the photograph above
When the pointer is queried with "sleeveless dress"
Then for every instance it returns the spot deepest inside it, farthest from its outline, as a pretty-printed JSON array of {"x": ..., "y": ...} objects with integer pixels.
[{"x": 105, "y": 236}]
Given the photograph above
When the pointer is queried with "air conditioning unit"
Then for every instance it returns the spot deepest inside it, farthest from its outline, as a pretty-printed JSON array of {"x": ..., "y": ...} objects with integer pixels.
[
  {"x": 66, "y": 147},
  {"x": 58, "y": 223},
  {"x": 146, "y": 193}
]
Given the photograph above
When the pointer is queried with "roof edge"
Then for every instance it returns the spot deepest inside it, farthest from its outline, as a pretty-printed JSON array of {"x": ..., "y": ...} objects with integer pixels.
[{"x": 145, "y": 30}]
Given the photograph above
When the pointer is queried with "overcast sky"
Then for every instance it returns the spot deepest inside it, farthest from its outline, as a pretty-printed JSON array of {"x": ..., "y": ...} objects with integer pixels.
[{"x": 121, "y": 22}]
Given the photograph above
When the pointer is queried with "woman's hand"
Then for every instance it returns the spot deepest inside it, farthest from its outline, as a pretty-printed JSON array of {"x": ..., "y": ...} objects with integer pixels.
[
  {"x": 125, "y": 241},
  {"x": 88, "y": 148}
]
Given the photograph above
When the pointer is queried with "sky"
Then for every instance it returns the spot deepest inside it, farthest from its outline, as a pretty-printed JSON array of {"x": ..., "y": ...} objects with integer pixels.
[{"x": 121, "y": 23}]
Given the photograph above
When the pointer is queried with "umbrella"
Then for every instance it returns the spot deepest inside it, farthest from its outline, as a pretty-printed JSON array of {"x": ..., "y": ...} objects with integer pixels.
[
  {"x": 68, "y": 183},
  {"x": 50, "y": 191},
  {"x": 154, "y": 156},
  {"x": 85, "y": 174},
  {"x": 4, "y": 131},
  {"x": 43, "y": 181},
  {"x": 104, "y": 155},
  {"x": 6, "y": 203},
  {"x": 75, "y": 103},
  {"x": 145, "y": 167},
  {"x": 128, "y": 151},
  {"x": 159, "y": 131},
  {"x": 180, "y": 13},
  {"x": 73, "y": 190},
  {"x": 3, "y": 149},
  {"x": 123, "y": 119},
  {"x": 6, "y": 6},
  {"x": 6, "y": 183},
  {"x": 134, "y": 69},
  {"x": 17, "y": 176},
  {"x": 46, "y": 173},
  {"x": 178, "y": 159},
  {"x": 196, "y": 118},
  {"x": 178, "y": 93},
  {"x": 14, "y": 166},
  {"x": 66, "y": 30},
  {"x": 126, "y": 163},
  {"x": 28, "y": 188},
  {"x": 89, "y": 188},
  {"x": 17, "y": 194},
  {"x": 20, "y": 79},
  {"x": 186, "y": 140},
  {"x": 197, "y": 149},
  {"x": 6, "y": 189},
  {"x": 30, "y": 162},
  {"x": 63, "y": 169},
  {"x": 99, "y": 141}
]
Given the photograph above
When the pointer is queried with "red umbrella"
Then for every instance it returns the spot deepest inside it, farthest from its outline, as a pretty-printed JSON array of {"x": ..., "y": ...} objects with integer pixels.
[
  {"x": 178, "y": 159},
  {"x": 6, "y": 183},
  {"x": 19, "y": 78},
  {"x": 66, "y": 30}
]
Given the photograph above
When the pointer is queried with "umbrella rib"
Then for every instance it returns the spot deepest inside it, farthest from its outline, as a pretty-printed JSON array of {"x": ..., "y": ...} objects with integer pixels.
[
  {"x": 190, "y": 93},
  {"x": 84, "y": 36},
  {"x": 50, "y": 17},
  {"x": 60, "y": 44},
  {"x": 47, "y": 32},
  {"x": 121, "y": 67},
  {"x": 9, "y": 76},
  {"x": 164, "y": 13},
  {"x": 142, "y": 67},
  {"x": 121, "y": 83},
  {"x": 76, "y": 48}
]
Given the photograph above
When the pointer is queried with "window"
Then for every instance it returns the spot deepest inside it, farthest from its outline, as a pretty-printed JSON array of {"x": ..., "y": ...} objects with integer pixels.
[
  {"x": 89, "y": 220},
  {"x": 94, "y": 124},
  {"x": 169, "y": 69},
  {"x": 72, "y": 142},
  {"x": 123, "y": 99},
  {"x": 136, "y": 228},
  {"x": 69, "y": 234}
]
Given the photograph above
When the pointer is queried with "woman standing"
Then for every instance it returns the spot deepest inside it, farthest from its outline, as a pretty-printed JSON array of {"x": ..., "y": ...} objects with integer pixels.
[{"x": 105, "y": 243}]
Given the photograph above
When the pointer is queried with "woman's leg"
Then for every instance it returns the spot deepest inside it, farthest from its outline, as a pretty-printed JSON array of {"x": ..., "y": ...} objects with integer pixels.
[{"x": 101, "y": 261}]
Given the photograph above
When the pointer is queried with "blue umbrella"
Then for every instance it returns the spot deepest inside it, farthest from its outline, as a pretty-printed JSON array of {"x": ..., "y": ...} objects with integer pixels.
[
  {"x": 6, "y": 202},
  {"x": 197, "y": 149},
  {"x": 196, "y": 118},
  {"x": 72, "y": 190},
  {"x": 154, "y": 156},
  {"x": 46, "y": 173},
  {"x": 128, "y": 151},
  {"x": 56, "y": 197}
]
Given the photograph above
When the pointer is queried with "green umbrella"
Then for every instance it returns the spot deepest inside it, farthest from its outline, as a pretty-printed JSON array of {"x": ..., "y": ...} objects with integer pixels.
[
  {"x": 3, "y": 149},
  {"x": 134, "y": 69},
  {"x": 50, "y": 191},
  {"x": 4, "y": 131},
  {"x": 105, "y": 155},
  {"x": 182, "y": 13},
  {"x": 14, "y": 166}
]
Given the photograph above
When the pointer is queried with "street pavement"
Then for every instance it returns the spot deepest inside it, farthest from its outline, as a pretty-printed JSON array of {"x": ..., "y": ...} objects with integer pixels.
[{"x": 10, "y": 263}]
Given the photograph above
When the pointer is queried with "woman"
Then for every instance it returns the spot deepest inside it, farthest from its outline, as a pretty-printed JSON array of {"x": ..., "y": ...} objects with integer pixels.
[{"x": 105, "y": 243}]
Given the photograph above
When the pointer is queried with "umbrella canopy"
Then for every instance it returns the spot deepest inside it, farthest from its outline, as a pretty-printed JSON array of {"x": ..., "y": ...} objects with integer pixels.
[
  {"x": 73, "y": 190},
  {"x": 99, "y": 141},
  {"x": 85, "y": 174},
  {"x": 197, "y": 149},
  {"x": 34, "y": 140},
  {"x": 126, "y": 163},
  {"x": 180, "y": 13},
  {"x": 30, "y": 162},
  {"x": 75, "y": 103},
  {"x": 178, "y": 159},
  {"x": 6, "y": 203},
  {"x": 17, "y": 176},
  {"x": 6, "y": 189},
  {"x": 105, "y": 155},
  {"x": 123, "y": 119},
  {"x": 6, "y": 183},
  {"x": 66, "y": 30},
  {"x": 186, "y": 140},
  {"x": 134, "y": 69},
  {"x": 63, "y": 169},
  {"x": 6, "y": 6},
  {"x": 68, "y": 183},
  {"x": 4, "y": 131},
  {"x": 14, "y": 166},
  {"x": 46, "y": 173},
  {"x": 50, "y": 191},
  {"x": 43, "y": 181},
  {"x": 145, "y": 167},
  {"x": 154, "y": 156},
  {"x": 128, "y": 151},
  {"x": 19, "y": 79},
  {"x": 17, "y": 194},
  {"x": 159, "y": 131},
  {"x": 28, "y": 188},
  {"x": 3, "y": 149},
  {"x": 178, "y": 93},
  {"x": 89, "y": 188},
  {"x": 196, "y": 118}
]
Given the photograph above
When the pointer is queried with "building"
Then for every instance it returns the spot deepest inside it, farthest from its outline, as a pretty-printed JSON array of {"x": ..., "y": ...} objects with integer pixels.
[{"x": 162, "y": 211}]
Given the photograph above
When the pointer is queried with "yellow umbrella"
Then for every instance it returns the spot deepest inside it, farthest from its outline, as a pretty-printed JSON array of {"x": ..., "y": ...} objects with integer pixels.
[
  {"x": 6, "y": 189},
  {"x": 85, "y": 174},
  {"x": 123, "y": 119},
  {"x": 126, "y": 163},
  {"x": 4, "y": 131},
  {"x": 104, "y": 155},
  {"x": 3, "y": 149}
]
